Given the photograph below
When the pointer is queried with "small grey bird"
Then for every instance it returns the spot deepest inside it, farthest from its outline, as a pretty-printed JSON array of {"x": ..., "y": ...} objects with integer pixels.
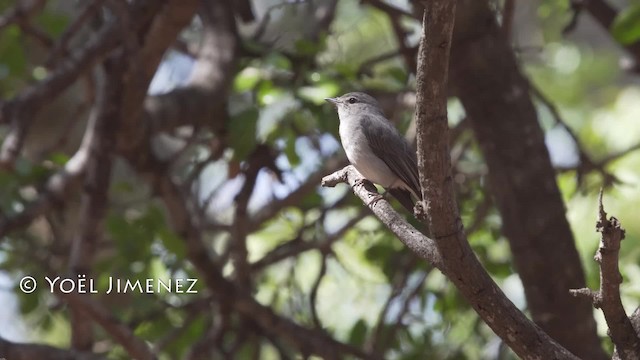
[{"x": 376, "y": 148}]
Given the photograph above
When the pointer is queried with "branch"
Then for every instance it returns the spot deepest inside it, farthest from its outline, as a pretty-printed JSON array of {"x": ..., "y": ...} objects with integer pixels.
[
  {"x": 295, "y": 197},
  {"x": 22, "y": 110},
  {"x": 485, "y": 76},
  {"x": 296, "y": 246},
  {"x": 307, "y": 340},
  {"x": 16, "y": 351},
  {"x": 423, "y": 246},
  {"x": 604, "y": 14},
  {"x": 100, "y": 144},
  {"x": 586, "y": 163},
  {"x": 60, "y": 46},
  {"x": 621, "y": 330},
  {"x": 134, "y": 346},
  {"x": 508, "y": 11},
  {"x": 17, "y": 14},
  {"x": 261, "y": 157},
  {"x": 439, "y": 208}
]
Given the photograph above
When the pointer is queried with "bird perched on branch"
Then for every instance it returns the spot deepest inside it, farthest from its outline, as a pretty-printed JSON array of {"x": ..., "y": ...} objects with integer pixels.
[{"x": 375, "y": 147}]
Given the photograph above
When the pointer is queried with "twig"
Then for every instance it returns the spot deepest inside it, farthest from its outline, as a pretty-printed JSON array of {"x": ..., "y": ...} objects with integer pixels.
[
  {"x": 604, "y": 14},
  {"x": 22, "y": 109},
  {"x": 23, "y": 10},
  {"x": 313, "y": 295},
  {"x": 607, "y": 298},
  {"x": 586, "y": 163},
  {"x": 238, "y": 299},
  {"x": 60, "y": 46},
  {"x": 261, "y": 157},
  {"x": 136, "y": 348},
  {"x": 297, "y": 246},
  {"x": 294, "y": 198}
]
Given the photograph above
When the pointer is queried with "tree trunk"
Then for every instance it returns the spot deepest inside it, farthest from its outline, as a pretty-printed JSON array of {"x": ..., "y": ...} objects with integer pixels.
[{"x": 486, "y": 78}]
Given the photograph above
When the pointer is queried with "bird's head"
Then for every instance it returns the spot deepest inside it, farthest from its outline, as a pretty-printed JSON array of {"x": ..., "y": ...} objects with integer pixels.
[{"x": 354, "y": 103}]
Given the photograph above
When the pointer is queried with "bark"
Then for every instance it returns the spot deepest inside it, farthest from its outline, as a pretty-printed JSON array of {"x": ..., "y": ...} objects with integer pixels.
[
  {"x": 17, "y": 351},
  {"x": 486, "y": 78}
]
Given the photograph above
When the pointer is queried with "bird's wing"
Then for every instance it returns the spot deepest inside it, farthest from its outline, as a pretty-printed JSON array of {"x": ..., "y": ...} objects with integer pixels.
[
  {"x": 387, "y": 144},
  {"x": 404, "y": 197}
]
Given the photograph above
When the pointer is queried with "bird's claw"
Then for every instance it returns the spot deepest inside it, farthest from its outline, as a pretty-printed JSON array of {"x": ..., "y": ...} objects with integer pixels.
[
  {"x": 360, "y": 182},
  {"x": 375, "y": 200}
]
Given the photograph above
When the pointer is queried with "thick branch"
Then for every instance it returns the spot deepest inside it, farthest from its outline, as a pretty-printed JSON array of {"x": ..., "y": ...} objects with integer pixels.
[
  {"x": 608, "y": 299},
  {"x": 485, "y": 76},
  {"x": 418, "y": 243},
  {"x": 440, "y": 209},
  {"x": 17, "y": 351}
]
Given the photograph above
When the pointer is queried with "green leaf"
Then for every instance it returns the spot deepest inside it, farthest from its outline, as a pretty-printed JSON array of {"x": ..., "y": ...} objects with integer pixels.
[
  {"x": 172, "y": 242},
  {"x": 626, "y": 26},
  {"x": 246, "y": 79},
  {"x": 278, "y": 61},
  {"x": 290, "y": 151},
  {"x": 53, "y": 23},
  {"x": 307, "y": 47},
  {"x": 242, "y": 133},
  {"x": 268, "y": 93},
  {"x": 12, "y": 51},
  {"x": 319, "y": 92},
  {"x": 59, "y": 158},
  {"x": 358, "y": 333}
]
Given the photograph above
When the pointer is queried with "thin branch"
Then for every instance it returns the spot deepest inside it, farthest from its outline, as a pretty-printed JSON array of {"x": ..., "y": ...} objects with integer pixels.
[
  {"x": 23, "y": 10},
  {"x": 261, "y": 157},
  {"x": 586, "y": 164},
  {"x": 604, "y": 14},
  {"x": 313, "y": 295},
  {"x": 307, "y": 340},
  {"x": 621, "y": 330},
  {"x": 101, "y": 144},
  {"x": 22, "y": 109},
  {"x": 60, "y": 46},
  {"x": 296, "y": 246},
  {"x": 376, "y": 342},
  {"x": 295, "y": 197},
  {"x": 124, "y": 336}
]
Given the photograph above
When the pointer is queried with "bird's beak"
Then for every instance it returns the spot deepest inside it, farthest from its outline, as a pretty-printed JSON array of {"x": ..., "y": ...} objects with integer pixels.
[{"x": 334, "y": 101}]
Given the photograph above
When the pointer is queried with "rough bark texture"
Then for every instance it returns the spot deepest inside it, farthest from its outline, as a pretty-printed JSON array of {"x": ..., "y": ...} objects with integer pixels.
[
  {"x": 621, "y": 329},
  {"x": 486, "y": 78}
]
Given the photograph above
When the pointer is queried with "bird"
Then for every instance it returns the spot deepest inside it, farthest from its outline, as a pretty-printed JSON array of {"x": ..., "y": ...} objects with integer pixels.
[{"x": 375, "y": 147}]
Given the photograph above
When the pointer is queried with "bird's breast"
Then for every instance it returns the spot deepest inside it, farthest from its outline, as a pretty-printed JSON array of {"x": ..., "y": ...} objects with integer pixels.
[{"x": 361, "y": 156}]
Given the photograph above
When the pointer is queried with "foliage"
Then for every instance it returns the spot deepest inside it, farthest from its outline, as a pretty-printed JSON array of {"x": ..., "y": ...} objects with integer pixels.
[{"x": 373, "y": 292}]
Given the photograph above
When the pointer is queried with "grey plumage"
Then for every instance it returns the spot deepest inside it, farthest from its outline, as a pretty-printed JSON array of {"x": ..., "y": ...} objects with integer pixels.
[{"x": 376, "y": 148}]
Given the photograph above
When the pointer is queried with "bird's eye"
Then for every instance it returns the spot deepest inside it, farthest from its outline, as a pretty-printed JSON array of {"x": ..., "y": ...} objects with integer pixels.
[{"x": 352, "y": 100}]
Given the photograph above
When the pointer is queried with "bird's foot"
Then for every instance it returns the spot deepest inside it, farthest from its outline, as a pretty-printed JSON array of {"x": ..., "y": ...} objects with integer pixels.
[
  {"x": 360, "y": 182},
  {"x": 375, "y": 200}
]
